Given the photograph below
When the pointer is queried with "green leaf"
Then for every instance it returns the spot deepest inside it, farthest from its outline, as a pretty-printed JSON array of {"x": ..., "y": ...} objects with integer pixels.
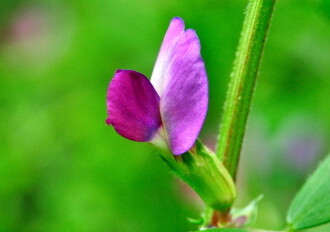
[
  {"x": 225, "y": 230},
  {"x": 311, "y": 206}
]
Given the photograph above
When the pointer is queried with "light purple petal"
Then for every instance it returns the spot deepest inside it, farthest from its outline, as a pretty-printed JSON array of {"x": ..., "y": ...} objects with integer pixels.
[
  {"x": 184, "y": 94},
  {"x": 174, "y": 31},
  {"x": 133, "y": 106}
]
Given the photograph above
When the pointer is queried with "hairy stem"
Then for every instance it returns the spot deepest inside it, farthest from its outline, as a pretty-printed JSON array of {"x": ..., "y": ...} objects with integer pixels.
[{"x": 243, "y": 79}]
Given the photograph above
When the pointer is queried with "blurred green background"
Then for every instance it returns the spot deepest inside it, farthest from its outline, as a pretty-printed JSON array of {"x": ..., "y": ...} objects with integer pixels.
[{"x": 63, "y": 169}]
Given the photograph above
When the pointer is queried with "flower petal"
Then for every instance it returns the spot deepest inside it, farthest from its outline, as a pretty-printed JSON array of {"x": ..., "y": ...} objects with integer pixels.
[
  {"x": 171, "y": 38},
  {"x": 133, "y": 106},
  {"x": 184, "y": 95}
]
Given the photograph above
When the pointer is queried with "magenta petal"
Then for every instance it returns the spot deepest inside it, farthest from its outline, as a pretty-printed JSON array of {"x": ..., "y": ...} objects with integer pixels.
[
  {"x": 184, "y": 95},
  {"x": 133, "y": 106}
]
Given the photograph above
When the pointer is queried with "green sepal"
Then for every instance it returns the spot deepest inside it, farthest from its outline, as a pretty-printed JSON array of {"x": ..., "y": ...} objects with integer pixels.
[{"x": 205, "y": 173}]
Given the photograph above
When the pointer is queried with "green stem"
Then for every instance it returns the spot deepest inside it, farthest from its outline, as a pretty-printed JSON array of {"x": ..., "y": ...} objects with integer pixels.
[{"x": 243, "y": 78}]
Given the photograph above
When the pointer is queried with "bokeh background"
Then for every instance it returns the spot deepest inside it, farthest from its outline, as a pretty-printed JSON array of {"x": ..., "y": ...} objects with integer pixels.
[{"x": 63, "y": 169}]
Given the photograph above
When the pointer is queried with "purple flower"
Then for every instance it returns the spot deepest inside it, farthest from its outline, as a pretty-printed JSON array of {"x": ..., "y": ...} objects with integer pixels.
[{"x": 171, "y": 108}]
